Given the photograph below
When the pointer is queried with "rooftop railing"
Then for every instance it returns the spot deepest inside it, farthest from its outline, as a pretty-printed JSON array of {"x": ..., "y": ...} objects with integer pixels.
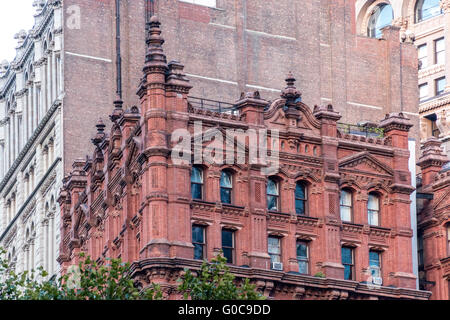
[
  {"x": 213, "y": 105},
  {"x": 367, "y": 131}
]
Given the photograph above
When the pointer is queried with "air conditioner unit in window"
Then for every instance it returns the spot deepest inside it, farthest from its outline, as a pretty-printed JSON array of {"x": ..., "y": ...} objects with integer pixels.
[
  {"x": 377, "y": 281},
  {"x": 277, "y": 266}
]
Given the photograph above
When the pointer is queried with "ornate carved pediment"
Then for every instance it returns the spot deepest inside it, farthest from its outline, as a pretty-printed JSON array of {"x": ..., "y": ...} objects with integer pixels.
[
  {"x": 306, "y": 120},
  {"x": 365, "y": 163}
]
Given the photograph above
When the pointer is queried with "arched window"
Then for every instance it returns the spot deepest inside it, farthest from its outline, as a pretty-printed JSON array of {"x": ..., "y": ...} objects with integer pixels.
[
  {"x": 381, "y": 17},
  {"x": 301, "y": 198},
  {"x": 226, "y": 186},
  {"x": 426, "y": 9},
  {"x": 346, "y": 204},
  {"x": 273, "y": 195},
  {"x": 373, "y": 209},
  {"x": 197, "y": 183}
]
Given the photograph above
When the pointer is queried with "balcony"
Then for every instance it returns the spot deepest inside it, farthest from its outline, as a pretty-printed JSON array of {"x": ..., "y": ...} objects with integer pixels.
[
  {"x": 365, "y": 129},
  {"x": 214, "y": 106}
]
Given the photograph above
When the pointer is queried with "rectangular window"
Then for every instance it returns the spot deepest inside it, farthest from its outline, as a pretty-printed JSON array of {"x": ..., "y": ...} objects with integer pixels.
[
  {"x": 207, "y": 3},
  {"x": 440, "y": 85},
  {"x": 420, "y": 251},
  {"x": 373, "y": 209},
  {"x": 228, "y": 245},
  {"x": 303, "y": 257},
  {"x": 439, "y": 47},
  {"x": 375, "y": 264},
  {"x": 423, "y": 91},
  {"x": 346, "y": 206},
  {"x": 348, "y": 262},
  {"x": 423, "y": 56},
  {"x": 199, "y": 242},
  {"x": 274, "y": 249}
]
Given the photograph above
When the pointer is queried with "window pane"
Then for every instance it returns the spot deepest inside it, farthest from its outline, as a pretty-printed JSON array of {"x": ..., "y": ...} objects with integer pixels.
[
  {"x": 348, "y": 272},
  {"x": 428, "y": 9},
  {"x": 373, "y": 218},
  {"x": 303, "y": 267},
  {"x": 382, "y": 17},
  {"x": 272, "y": 187},
  {"x": 227, "y": 238},
  {"x": 225, "y": 195},
  {"x": 423, "y": 91},
  {"x": 373, "y": 203},
  {"x": 346, "y": 214},
  {"x": 198, "y": 234},
  {"x": 440, "y": 51},
  {"x": 347, "y": 257},
  {"x": 302, "y": 250},
  {"x": 300, "y": 191},
  {"x": 300, "y": 207},
  {"x": 374, "y": 263},
  {"x": 272, "y": 203},
  {"x": 274, "y": 245},
  {"x": 346, "y": 198},
  {"x": 196, "y": 191},
  {"x": 228, "y": 254},
  {"x": 423, "y": 56},
  {"x": 196, "y": 175},
  {"x": 440, "y": 85},
  {"x": 225, "y": 180},
  {"x": 198, "y": 251}
]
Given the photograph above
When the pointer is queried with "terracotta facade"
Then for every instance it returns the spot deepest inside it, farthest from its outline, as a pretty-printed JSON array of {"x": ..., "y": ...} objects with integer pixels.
[
  {"x": 434, "y": 221},
  {"x": 131, "y": 200}
]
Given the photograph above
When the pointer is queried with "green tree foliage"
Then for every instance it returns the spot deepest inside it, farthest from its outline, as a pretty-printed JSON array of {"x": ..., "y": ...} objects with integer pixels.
[
  {"x": 89, "y": 281},
  {"x": 111, "y": 281},
  {"x": 215, "y": 282}
]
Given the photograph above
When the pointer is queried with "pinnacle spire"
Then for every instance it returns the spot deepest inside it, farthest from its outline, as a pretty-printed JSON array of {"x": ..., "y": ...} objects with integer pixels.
[
  {"x": 155, "y": 59},
  {"x": 290, "y": 93}
]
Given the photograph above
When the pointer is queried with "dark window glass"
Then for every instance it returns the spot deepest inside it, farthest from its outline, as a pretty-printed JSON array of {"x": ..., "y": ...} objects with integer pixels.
[
  {"x": 347, "y": 261},
  {"x": 300, "y": 198},
  {"x": 226, "y": 187},
  {"x": 197, "y": 183},
  {"x": 374, "y": 263},
  {"x": 272, "y": 195},
  {"x": 303, "y": 257},
  {"x": 198, "y": 240},
  {"x": 228, "y": 245}
]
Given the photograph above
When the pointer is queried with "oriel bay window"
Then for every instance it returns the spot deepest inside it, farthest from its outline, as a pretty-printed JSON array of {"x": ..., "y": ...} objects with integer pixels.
[
  {"x": 301, "y": 198},
  {"x": 346, "y": 205},
  {"x": 303, "y": 257},
  {"x": 226, "y": 187},
  {"x": 199, "y": 242},
  {"x": 228, "y": 243},
  {"x": 197, "y": 183},
  {"x": 273, "y": 195},
  {"x": 348, "y": 262},
  {"x": 373, "y": 209}
]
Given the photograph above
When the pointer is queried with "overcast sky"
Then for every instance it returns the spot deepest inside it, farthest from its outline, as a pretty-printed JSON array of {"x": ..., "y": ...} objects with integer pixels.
[{"x": 14, "y": 16}]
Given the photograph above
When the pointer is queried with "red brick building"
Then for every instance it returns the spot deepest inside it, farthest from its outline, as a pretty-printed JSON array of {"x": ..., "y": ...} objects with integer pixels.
[
  {"x": 434, "y": 221},
  {"x": 332, "y": 223}
]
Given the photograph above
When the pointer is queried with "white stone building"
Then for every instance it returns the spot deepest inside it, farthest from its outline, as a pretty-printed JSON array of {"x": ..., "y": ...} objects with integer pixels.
[
  {"x": 427, "y": 24},
  {"x": 31, "y": 93}
]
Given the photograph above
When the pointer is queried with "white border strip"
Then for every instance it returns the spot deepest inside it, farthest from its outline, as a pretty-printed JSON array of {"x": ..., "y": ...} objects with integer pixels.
[
  {"x": 411, "y": 113},
  {"x": 222, "y": 25},
  {"x": 88, "y": 57},
  {"x": 211, "y": 79},
  {"x": 270, "y": 35},
  {"x": 262, "y": 88},
  {"x": 364, "y": 105}
]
